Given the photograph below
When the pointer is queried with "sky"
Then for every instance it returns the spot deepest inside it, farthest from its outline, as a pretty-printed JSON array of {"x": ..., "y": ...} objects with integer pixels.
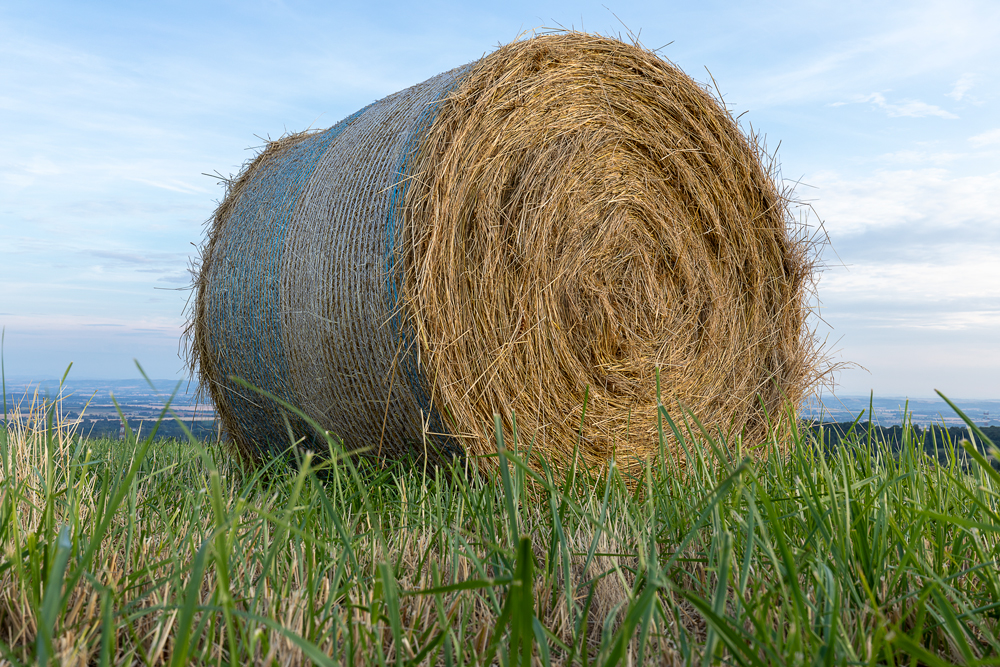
[{"x": 120, "y": 117}]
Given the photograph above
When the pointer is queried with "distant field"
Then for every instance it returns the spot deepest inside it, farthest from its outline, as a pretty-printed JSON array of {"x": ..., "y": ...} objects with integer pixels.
[
  {"x": 889, "y": 411},
  {"x": 96, "y": 406},
  {"x": 140, "y": 402},
  {"x": 157, "y": 552},
  {"x": 96, "y": 398}
]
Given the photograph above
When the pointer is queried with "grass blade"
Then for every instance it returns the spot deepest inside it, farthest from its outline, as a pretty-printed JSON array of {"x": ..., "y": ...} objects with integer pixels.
[{"x": 52, "y": 597}]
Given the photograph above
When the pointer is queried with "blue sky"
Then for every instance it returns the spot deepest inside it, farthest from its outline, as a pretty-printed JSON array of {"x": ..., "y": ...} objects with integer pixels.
[{"x": 884, "y": 112}]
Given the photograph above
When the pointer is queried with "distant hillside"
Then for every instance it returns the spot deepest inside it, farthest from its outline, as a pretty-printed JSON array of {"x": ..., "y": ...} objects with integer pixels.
[
  {"x": 935, "y": 438},
  {"x": 889, "y": 410},
  {"x": 169, "y": 428}
]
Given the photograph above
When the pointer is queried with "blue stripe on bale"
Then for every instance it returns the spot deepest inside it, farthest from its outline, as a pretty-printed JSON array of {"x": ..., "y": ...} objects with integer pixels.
[
  {"x": 416, "y": 379},
  {"x": 244, "y": 311},
  {"x": 301, "y": 295}
]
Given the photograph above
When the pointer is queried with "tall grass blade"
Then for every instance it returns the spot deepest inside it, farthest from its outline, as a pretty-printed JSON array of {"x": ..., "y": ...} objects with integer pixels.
[
  {"x": 191, "y": 602},
  {"x": 721, "y": 594},
  {"x": 390, "y": 597},
  {"x": 508, "y": 492},
  {"x": 518, "y": 611},
  {"x": 52, "y": 597}
]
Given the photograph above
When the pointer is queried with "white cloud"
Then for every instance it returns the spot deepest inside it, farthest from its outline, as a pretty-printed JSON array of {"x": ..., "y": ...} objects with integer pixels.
[
  {"x": 986, "y": 138},
  {"x": 909, "y": 199},
  {"x": 174, "y": 185},
  {"x": 962, "y": 86},
  {"x": 61, "y": 322},
  {"x": 913, "y": 157},
  {"x": 22, "y": 174},
  {"x": 906, "y": 108},
  {"x": 133, "y": 258},
  {"x": 877, "y": 46},
  {"x": 963, "y": 364},
  {"x": 42, "y": 166},
  {"x": 972, "y": 276},
  {"x": 919, "y": 325}
]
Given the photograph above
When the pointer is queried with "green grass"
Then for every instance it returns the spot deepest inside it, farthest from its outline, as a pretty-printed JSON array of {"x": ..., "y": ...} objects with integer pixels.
[{"x": 165, "y": 552}]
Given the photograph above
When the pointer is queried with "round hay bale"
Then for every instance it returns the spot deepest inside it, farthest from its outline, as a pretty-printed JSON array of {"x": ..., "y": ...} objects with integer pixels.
[{"x": 548, "y": 225}]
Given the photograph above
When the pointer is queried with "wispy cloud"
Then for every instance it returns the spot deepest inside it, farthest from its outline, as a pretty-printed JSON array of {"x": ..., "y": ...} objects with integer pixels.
[
  {"x": 172, "y": 185},
  {"x": 53, "y": 323},
  {"x": 962, "y": 86},
  {"x": 915, "y": 157},
  {"x": 898, "y": 285},
  {"x": 155, "y": 262},
  {"x": 906, "y": 108},
  {"x": 932, "y": 199},
  {"x": 986, "y": 138},
  {"x": 127, "y": 257},
  {"x": 907, "y": 47}
]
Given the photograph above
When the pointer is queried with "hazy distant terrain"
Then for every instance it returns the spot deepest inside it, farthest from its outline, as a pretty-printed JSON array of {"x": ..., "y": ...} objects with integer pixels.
[
  {"x": 888, "y": 411},
  {"x": 141, "y": 403},
  {"x": 93, "y": 402}
]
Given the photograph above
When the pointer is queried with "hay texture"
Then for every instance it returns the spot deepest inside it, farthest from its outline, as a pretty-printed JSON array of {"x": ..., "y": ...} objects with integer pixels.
[{"x": 557, "y": 220}]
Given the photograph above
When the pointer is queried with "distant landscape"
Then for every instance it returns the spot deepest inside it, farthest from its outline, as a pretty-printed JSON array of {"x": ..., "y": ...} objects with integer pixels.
[
  {"x": 91, "y": 405},
  {"x": 889, "y": 410},
  {"x": 90, "y": 401}
]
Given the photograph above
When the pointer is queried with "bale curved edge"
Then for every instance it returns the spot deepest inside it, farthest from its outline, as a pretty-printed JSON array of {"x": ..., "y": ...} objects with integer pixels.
[{"x": 557, "y": 220}]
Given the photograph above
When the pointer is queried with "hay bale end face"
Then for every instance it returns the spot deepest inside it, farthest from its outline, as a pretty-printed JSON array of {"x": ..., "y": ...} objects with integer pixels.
[{"x": 555, "y": 221}]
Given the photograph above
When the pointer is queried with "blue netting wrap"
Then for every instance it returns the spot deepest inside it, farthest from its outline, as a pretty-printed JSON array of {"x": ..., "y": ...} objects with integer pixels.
[{"x": 298, "y": 293}]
